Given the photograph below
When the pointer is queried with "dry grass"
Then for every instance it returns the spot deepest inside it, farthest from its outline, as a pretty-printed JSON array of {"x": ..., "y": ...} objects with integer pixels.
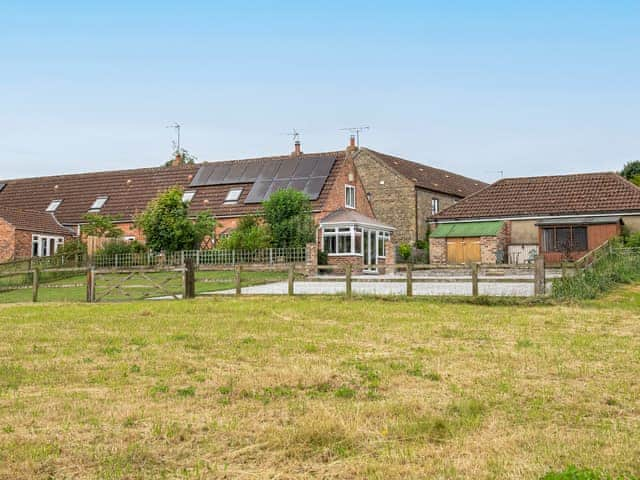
[{"x": 318, "y": 388}]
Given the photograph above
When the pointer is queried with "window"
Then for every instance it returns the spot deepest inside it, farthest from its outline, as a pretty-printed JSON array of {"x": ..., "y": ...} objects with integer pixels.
[
  {"x": 435, "y": 206},
  {"x": 349, "y": 240},
  {"x": 188, "y": 196},
  {"x": 98, "y": 204},
  {"x": 350, "y": 196},
  {"x": 564, "y": 239},
  {"x": 53, "y": 206},
  {"x": 233, "y": 196},
  {"x": 45, "y": 246}
]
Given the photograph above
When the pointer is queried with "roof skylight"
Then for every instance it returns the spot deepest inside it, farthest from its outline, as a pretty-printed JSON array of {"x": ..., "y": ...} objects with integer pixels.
[
  {"x": 53, "y": 206},
  {"x": 188, "y": 196},
  {"x": 98, "y": 204},
  {"x": 233, "y": 195}
]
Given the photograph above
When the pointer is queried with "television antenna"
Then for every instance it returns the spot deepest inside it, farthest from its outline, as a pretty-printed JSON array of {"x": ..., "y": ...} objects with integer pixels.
[
  {"x": 294, "y": 134},
  {"x": 356, "y": 131},
  {"x": 176, "y": 126}
]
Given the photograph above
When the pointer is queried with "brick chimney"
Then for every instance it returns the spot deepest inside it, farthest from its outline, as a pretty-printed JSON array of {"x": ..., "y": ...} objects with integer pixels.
[
  {"x": 297, "y": 149},
  {"x": 352, "y": 144},
  {"x": 178, "y": 160}
]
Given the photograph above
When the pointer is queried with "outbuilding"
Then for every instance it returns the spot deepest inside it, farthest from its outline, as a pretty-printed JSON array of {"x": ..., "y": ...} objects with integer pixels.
[{"x": 561, "y": 217}]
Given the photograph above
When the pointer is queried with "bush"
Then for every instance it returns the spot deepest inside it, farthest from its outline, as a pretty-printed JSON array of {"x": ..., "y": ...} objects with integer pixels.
[
  {"x": 251, "y": 234},
  {"x": 632, "y": 240},
  {"x": 612, "y": 268},
  {"x": 323, "y": 258},
  {"x": 404, "y": 250},
  {"x": 288, "y": 214},
  {"x": 71, "y": 248},
  {"x": 118, "y": 247}
]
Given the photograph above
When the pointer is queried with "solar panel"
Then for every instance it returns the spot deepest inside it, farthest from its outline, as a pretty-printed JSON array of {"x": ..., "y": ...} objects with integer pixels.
[
  {"x": 307, "y": 173},
  {"x": 258, "y": 192},
  {"x": 314, "y": 187},
  {"x": 287, "y": 167},
  {"x": 236, "y": 173}
]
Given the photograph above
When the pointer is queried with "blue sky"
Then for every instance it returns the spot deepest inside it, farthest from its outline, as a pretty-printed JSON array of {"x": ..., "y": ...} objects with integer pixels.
[{"x": 529, "y": 88}]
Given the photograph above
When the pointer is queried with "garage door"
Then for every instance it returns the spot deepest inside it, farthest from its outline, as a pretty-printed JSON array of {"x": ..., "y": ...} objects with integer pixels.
[{"x": 463, "y": 250}]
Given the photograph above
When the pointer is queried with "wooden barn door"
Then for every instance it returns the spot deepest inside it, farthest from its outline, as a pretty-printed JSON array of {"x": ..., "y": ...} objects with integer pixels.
[{"x": 463, "y": 250}]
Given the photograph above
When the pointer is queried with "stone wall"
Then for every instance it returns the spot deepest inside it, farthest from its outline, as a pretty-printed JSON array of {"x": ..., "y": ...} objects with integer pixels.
[
  {"x": 438, "y": 251},
  {"x": 424, "y": 198},
  {"x": 7, "y": 241},
  {"x": 393, "y": 197}
]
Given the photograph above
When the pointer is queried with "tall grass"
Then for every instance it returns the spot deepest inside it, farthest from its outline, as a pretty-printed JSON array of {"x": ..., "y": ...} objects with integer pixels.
[{"x": 617, "y": 266}]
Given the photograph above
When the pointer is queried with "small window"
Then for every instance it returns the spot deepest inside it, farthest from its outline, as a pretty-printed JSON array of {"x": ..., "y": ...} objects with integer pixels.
[
  {"x": 188, "y": 196},
  {"x": 98, "y": 204},
  {"x": 435, "y": 206},
  {"x": 233, "y": 196},
  {"x": 350, "y": 196},
  {"x": 53, "y": 206}
]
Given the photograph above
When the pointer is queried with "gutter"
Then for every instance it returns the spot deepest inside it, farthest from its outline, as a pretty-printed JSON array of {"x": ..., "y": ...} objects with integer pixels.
[{"x": 534, "y": 217}]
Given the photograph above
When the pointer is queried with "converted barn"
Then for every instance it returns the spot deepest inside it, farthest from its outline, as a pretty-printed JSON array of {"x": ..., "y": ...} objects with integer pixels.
[{"x": 562, "y": 217}]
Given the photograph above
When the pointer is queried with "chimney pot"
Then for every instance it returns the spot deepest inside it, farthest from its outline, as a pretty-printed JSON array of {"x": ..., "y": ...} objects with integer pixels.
[
  {"x": 352, "y": 144},
  {"x": 297, "y": 149}
]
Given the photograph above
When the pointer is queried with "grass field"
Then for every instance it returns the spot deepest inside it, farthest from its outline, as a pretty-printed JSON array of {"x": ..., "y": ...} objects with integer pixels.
[
  {"x": 319, "y": 388},
  {"x": 73, "y": 289}
]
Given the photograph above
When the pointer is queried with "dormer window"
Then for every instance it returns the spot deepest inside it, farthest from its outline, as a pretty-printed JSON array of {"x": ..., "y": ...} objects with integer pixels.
[
  {"x": 53, "y": 206},
  {"x": 188, "y": 196},
  {"x": 233, "y": 196},
  {"x": 98, "y": 204}
]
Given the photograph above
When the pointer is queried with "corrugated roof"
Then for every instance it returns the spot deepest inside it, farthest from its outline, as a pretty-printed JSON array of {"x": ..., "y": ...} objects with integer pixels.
[
  {"x": 470, "y": 229},
  {"x": 430, "y": 178},
  {"x": 587, "y": 193}
]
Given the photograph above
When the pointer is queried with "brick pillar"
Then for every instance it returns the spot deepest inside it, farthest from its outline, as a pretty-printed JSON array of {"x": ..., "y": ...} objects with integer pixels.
[
  {"x": 390, "y": 251},
  {"x": 312, "y": 258},
  {"x": 438, "y": 251}
]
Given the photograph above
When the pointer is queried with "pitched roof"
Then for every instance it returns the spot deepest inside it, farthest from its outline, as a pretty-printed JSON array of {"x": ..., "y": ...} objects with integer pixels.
[
  {"x": 587, "y": 193},
  {"x": 129, "y": 191},
  {"x": 33, "y": 221},
  {"x": 348, "y": 215},
  {"x": 430, "y": 178}
]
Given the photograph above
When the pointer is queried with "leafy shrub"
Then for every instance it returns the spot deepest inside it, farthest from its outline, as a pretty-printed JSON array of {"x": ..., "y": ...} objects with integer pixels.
[
  {"x": 288, "y": 214},
  {"x": 632, "y": 240},
  {"x": 71, "y": 248},
  {"x": 251, "y": 234},
  {"x": 323, "y": 258},
  {"x": 117, "y": 247},
  {"x": 404, "y": 250},
  {"x": 613, "y": 268}
]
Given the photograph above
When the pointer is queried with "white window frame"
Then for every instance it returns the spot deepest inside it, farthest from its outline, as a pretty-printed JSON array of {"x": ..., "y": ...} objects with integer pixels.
[
  {"x": 353, "y": 231},
  {"x": 347, "y": 190},
  {"x": 53, "y": 206},
  {"x": 233, "y": 196},
  {"x": 435, "y": 206},
  {"x": 42, "y": 243},
  {"x": 98, "y": 203},
  {"x": 187, "y": 197}
]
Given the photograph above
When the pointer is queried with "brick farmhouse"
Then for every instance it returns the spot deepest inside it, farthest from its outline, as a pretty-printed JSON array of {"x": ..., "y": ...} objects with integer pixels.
[{"x": 561, "y": 217}]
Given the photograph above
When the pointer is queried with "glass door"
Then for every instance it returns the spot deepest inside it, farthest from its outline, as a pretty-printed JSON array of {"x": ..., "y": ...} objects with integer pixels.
[{"x": 369, "y": 250}]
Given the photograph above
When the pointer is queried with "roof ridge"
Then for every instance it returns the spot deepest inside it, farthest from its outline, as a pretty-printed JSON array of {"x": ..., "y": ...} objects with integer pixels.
[
  {"x": 421, "y": 165},
  {"x": 563, "y": 175}
]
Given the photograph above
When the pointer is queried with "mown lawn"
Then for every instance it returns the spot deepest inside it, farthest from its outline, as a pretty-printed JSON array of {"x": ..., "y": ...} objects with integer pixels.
[
  {"x": 73, "y": 289},
  {"x": 319, "y": 388}
]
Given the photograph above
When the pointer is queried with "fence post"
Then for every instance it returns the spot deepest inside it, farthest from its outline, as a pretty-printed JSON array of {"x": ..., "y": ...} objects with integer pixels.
[
  {"x": 474, "y": 279},
  {"x": 291, "y": 278},
  {"x": 539, "y": 285},
  {"x": 36, "y": 283},
  {"x": 409, "y": 280},
  {"x": 189, "y": 279},
  {"x": 238, "y": 280},
  {"x": 91, "y": 285},
  {"x": 347, "y": 278},
  {"x": 271, "y": 256}
]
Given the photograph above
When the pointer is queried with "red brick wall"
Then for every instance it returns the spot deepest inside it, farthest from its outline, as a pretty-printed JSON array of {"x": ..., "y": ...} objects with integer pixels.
[
  {"x": 336, "y": 198},
  {"x": 438, "y": 251},
  {"x": 7, "y": 241}
]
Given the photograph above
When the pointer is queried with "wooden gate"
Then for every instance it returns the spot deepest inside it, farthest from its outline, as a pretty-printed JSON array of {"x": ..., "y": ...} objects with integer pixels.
[
  {"x": 463, "y": 250},
  {"x": 137, "y": 284}
]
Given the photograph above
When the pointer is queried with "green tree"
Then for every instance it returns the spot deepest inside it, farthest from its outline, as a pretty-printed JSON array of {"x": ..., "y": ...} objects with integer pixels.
[
  {"x": 101, "y": 226},
  {"x": 288, "y": 214},
  {"x": 631, "y": 172},
  {"x": 251, "y": 234},
  {"x": 167, "y": 226}
]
